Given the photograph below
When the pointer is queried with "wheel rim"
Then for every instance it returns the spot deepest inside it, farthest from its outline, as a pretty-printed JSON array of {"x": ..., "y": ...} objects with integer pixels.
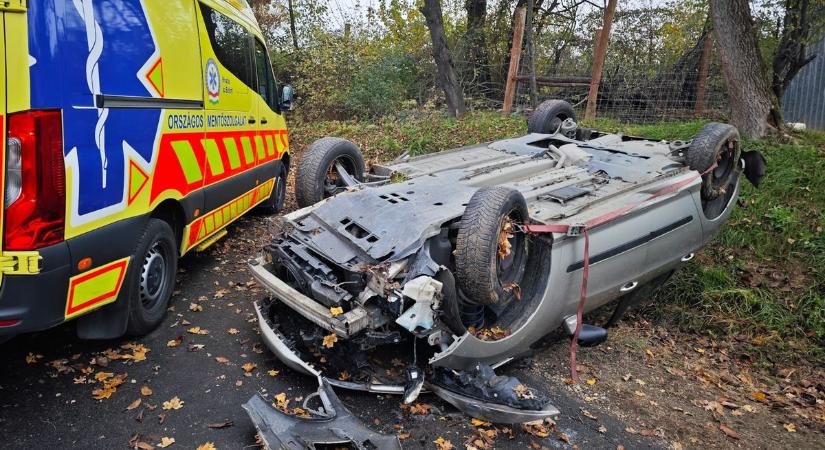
[
  {"x": 724, "y": 162},
  {"x": 509, "y": 267},
  {"x": 153, "y": 275},
  {"x": 333, "y": 181}
]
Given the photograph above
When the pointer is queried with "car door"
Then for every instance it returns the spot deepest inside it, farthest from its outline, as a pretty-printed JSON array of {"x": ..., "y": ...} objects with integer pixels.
[
  {"x": 231, "y": 109},
  {"x": 272, "y": 134}
]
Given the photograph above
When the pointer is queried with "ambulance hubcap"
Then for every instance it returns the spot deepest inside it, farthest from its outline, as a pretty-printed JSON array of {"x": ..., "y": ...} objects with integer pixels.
[{"x": 153, "y": 275}]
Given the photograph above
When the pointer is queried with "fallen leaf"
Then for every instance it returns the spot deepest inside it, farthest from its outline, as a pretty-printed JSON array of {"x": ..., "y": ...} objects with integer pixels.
[
  {"x": 166, "y": 442},
  {"x": 175, "y": 342},
  {"x": 728, "y": 431},
  {"x": 194, "y": 307},
  {"x": 249, "y": 367},
  {"x": 589, "y": 414},
  {"x": 146, "y": 391},
  {"x": 272, "y": 373},
  {"x": 330, "y": 340},
  {"x": 790, "y": 427},
  {"x": 442, "y": 444},
  {"x": 336, "y": 311},
  {"x": 421, "y": 409},
  {"x": 134, "y": 405},
  {"x": 206, "y": 446},
  {"x": 591, "y": 381},
  {"x": 100, "y": 376},
  {"x": 222, "y": 360},
  {"x": 174, "y": 403},
  {"x": 198, "y": 330},
  {"x": 564, "y": 437},
  {"x": 479, "y": 423},
  {"x": 403, "y": 436},
  {"x": 602, "y": 429},
  {"x": 144, "y": 446},
  {"x": 233, "y": 331},
  {"x": 224, "y": 424},
  {"x": 31, "y": 358}
]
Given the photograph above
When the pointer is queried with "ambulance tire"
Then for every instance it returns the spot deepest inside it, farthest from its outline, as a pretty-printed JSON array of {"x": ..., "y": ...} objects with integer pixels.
[
  {"x": 275, "y": 203},
  {"x": 152, "y": 277}
]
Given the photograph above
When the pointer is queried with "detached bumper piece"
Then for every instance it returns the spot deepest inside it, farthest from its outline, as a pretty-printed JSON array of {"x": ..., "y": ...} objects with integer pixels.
[
  {"x": 333, "y": 425},
  {"x": 482, "y": 394}
]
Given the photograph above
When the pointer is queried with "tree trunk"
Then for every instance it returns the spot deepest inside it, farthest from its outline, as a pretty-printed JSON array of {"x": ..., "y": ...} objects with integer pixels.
[
  {"x": 790, "y": 56},
  {"x": 477, "y": 43},
  {"x": 754, "y": 106},
  {"x": 292, "y": 25},
  {"x": 443, "y": 59}
]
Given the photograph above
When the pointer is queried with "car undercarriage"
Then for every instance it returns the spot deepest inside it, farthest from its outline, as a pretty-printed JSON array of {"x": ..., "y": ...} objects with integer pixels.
[{"x": 468, "y": 257}]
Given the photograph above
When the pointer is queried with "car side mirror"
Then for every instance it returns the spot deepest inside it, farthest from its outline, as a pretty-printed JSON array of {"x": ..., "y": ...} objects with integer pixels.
[{"x": 287, "y": 98}]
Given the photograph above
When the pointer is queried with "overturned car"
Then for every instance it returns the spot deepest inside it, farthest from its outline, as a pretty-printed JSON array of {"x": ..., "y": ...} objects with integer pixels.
[{"x": 465, "y": 258}]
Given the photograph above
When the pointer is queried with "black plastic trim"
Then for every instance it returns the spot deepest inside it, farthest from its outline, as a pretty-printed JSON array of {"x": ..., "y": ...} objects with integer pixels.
[
  {"x": 627, "y": 246},
  {"x": 127, "y": 102}
]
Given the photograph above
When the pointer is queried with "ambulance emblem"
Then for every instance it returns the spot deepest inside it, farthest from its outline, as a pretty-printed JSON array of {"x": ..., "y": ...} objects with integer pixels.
[{"x": 213, "y": 81}]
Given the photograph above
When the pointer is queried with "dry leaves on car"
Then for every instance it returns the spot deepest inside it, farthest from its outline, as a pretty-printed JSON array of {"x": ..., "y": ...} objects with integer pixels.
[
  {"x": 330, "y": 340},
  {"x": 489, "y": 334}
]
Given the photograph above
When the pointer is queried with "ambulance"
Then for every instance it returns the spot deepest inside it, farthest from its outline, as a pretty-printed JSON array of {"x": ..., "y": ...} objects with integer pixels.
[{"x": 133, "y": 132}]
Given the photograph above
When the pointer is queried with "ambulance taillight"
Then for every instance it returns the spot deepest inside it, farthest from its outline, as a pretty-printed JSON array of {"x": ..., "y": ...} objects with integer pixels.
[{"x": 35, "y": 181}]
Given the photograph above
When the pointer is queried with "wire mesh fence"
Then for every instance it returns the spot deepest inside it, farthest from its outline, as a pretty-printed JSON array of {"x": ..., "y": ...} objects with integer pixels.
[{"x": 639, "y": 94}]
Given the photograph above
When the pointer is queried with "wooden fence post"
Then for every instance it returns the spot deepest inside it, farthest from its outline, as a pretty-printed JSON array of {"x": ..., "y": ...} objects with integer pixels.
[
  {"x": 515, "y": 60},
  {"x": 702, "y": 87},
  {"x": 598, "y": 60}
]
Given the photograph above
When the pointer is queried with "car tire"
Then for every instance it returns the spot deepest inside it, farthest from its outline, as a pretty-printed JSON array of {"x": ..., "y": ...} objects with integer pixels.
[
  {"x": 315, "y": 177},
  {"x": 275, "y": 203},
  {"x": 152, "y": 278},
  {"x": 716, "y": 143},
  {"x": 482, "y": 276},
  {"x": 549, "y": 115}
]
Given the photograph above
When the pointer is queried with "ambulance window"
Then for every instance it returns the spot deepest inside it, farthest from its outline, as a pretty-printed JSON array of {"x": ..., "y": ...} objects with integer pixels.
[
  {"x": 266, "y": 81},
  {"x": 231, "y": 43}
]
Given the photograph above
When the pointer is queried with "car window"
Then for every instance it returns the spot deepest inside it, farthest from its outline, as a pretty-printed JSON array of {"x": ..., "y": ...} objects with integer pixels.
[
  {"x": 266, "y": 81},
  {"x": 231, "y": 43}
]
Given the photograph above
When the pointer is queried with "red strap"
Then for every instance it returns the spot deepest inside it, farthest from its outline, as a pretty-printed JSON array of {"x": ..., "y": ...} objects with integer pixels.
[{"x": 594, "y": 222}]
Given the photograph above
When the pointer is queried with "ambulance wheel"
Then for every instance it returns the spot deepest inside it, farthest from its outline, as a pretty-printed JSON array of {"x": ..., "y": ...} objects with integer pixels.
[
  {"x": 319, "y": 173},
  {"x": 275, "y": 203},
  {"x": 152, "y": 278}
]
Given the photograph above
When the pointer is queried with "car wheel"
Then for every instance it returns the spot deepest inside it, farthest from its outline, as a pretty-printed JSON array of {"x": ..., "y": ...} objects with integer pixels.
[
  {"x": 152, "y": 278},
  {"x": 275, "y": 203},
  {"x": 319, "y": 173},
  {"x": 716, "y": 143},
  {"x": 491, "y": 251},
  {"x": 549, "y": 115}
]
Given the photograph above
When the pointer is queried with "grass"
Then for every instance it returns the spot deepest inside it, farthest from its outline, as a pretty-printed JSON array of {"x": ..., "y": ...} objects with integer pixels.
[{"x": 762, "y": 280}]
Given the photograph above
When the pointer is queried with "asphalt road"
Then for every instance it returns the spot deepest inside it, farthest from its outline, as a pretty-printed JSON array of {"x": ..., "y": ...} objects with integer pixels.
[{"x": 40, "y": 407}]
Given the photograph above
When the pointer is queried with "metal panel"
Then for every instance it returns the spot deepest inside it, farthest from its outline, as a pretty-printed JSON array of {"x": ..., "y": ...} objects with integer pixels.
[{"x": 804, "y": 100}]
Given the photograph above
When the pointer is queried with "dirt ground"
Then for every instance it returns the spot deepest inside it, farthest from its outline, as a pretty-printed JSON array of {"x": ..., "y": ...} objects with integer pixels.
[{"x": 645, "y": 388}]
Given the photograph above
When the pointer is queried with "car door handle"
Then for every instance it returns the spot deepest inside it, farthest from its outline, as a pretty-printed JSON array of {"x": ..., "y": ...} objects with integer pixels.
[
  {"x": 629, "y": 286},
  {"x": 264, "y": 121},
  {"x": 252, "y": 121}
]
